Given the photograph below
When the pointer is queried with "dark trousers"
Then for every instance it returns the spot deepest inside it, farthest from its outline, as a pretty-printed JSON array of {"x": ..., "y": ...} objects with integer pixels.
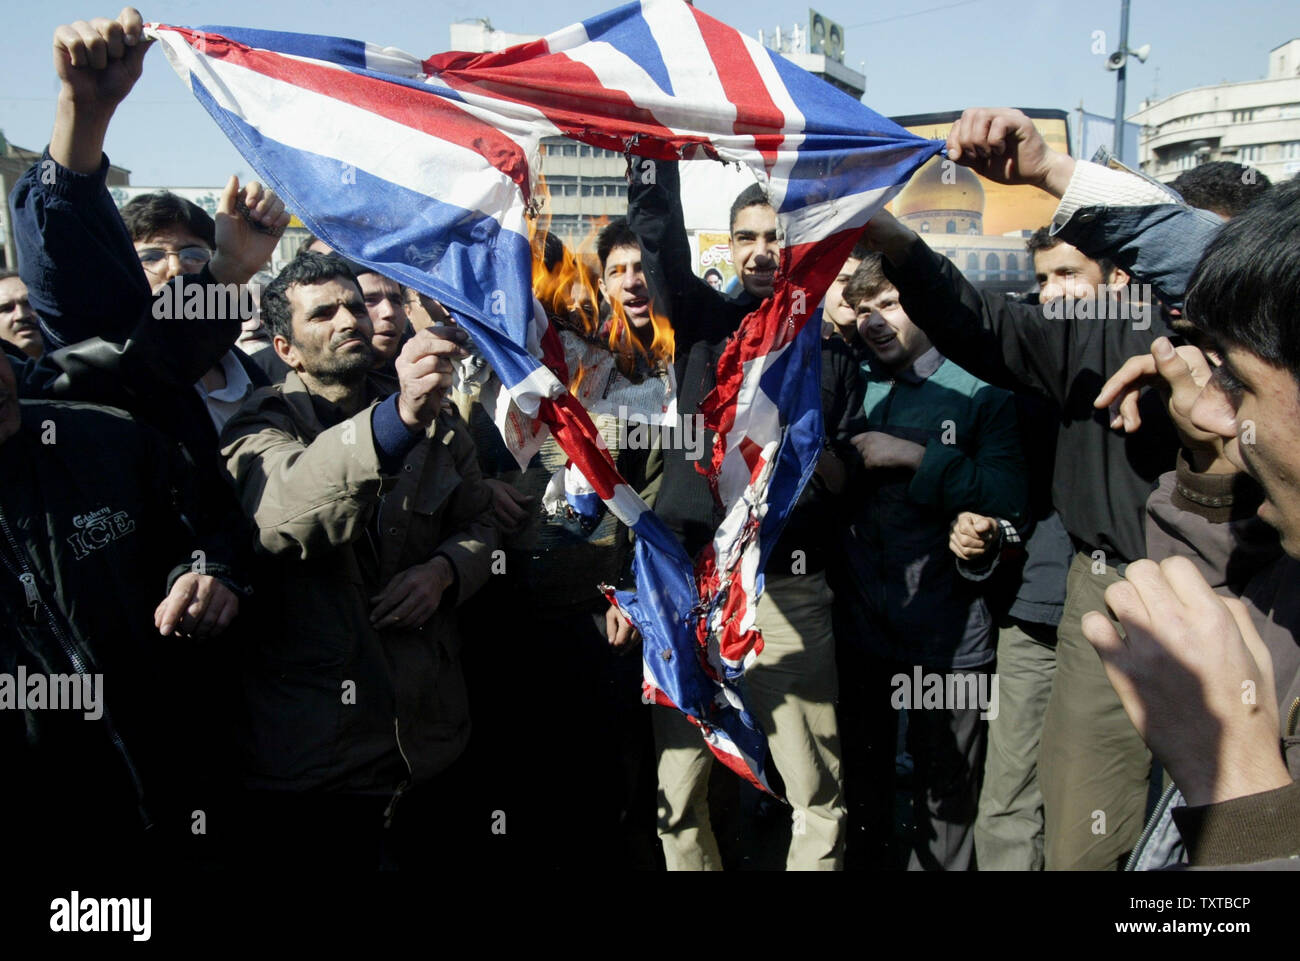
[{"x": 947, "y": 744}]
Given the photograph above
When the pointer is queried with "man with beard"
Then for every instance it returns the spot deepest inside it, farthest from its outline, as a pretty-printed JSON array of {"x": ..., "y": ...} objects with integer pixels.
[{"x": 367, "y": 497}]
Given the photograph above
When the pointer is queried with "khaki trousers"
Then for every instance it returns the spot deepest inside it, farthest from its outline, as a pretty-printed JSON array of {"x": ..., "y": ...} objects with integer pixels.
[
  {"x": 790, "y": 690},
  {"x": 1009, "y": 826},
  {"x": 1093, "y": 765}
]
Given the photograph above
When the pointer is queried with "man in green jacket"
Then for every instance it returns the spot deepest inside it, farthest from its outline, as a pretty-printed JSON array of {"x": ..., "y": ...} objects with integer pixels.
[
  {"x": 369, "y": 502},
  {"x": 939, "y": 441}
]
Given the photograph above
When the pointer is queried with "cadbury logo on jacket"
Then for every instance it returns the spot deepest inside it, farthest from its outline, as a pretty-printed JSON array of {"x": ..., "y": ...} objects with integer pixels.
[{"x": 96, "y": 529}]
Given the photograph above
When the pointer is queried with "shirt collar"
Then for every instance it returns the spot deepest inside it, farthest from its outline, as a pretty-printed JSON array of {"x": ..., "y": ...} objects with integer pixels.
[
  {"x": 238, "y": 386},
  {"x": 920, "y": 370}
]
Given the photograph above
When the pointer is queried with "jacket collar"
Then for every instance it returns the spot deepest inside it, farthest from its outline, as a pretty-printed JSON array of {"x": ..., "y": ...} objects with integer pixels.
[{"x": 315, "y": 413}]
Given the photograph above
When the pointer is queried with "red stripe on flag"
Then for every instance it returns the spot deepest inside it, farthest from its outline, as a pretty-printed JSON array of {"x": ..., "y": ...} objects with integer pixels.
[
  {"x": 756, "y": 113},
  {"x": 426, "y": 112},
  {"x": 554, "y": 84}
]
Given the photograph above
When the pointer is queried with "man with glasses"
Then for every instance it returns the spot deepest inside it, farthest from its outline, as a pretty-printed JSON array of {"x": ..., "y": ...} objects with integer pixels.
[{"x": 173, "y": 236}]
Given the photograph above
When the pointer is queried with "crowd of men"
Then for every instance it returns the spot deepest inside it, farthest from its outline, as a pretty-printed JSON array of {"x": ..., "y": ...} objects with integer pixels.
[{"x": 261, "y": 571}]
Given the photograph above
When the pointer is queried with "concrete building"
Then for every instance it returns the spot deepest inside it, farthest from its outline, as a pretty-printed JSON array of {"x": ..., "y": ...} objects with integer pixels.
[
  {"x": 1252, "y": 122},
  {"x": 587, "y": 184}
]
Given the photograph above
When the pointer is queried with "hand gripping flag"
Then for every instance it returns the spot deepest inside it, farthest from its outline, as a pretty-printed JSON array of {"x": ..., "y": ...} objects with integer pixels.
[{"x": 425, "y": 170}]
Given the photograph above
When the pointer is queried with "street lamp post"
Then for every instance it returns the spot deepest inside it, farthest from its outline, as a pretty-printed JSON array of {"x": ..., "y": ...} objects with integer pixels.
[
  {"x": 1120, "y": 78},
  {"x": 1118, "y": 61}
]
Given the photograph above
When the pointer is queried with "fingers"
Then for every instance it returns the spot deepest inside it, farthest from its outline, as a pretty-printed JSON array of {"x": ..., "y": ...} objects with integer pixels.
[
  {"x": 172, "y": 610},
  {"x": 266, "y": 208},
  {"x": 1134, "y": 372},
  {"x": 1128, "y": 415},
  {"x": 1116, "y": 659},
  {"x": 1102, "y": 635},
  {"x": 520, "y": 497},
  {"x": 405, "y": 613},
  {"x": 613, "y": 620},
  {"x": 193, "y": 618},
  {"x": 132, "y": 26},
  {"x": 388, "y": 599},
  {"x": 229, "y": 197},
  {"x": 1176, "y": 367},
  {"x": 228, "y": 611},
  {"x": 428, "y": 365},
  {"x": 508, "y": 508},
  {"x": 1264, "y": 660}
]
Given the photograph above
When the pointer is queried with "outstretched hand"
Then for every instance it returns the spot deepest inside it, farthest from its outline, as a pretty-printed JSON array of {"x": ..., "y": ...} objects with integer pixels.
[{"x": 1003, "y": 145}]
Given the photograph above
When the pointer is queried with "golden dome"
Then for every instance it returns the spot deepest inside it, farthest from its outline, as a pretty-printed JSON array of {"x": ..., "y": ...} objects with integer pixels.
[{"x": 927, "y": 191}]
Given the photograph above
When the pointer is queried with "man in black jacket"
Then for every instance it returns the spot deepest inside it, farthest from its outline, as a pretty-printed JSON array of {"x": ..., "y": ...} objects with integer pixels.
[
  {"x": 793, "y": 684},
  {"x": 1093, "y": 766},
  {"x": 93, "y": 533}
]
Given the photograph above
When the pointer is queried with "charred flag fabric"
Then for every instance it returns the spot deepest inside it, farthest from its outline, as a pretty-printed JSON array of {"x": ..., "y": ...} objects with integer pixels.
[{"x": 426, "y": 169}]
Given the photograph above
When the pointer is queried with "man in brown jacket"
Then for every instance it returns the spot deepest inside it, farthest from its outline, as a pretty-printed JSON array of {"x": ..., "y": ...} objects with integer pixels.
[{"x": 373, "y": 523}]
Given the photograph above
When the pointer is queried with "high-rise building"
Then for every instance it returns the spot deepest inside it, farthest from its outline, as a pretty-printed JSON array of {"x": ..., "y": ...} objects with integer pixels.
[{"x": 1251, "y": 122}]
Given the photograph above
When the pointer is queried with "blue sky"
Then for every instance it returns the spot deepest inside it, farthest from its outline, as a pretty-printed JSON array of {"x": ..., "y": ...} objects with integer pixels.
[{"x": 920, "y": 56}]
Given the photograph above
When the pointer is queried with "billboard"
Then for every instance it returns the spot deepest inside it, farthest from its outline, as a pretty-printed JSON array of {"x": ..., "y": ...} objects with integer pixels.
[
  {"x": 979, "y": 225},
  {"x": 825, "y": 36}
]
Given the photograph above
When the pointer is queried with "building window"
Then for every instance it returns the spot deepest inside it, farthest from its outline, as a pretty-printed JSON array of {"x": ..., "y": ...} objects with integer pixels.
[
  {"x": 1291, "y": 151},
  {"x": 972, "y": 264},
  {"x": 992, "y": 265},
  {"x": 951, "y": 227},
  {"x": 586, "y": 190},
  {"x": 925, "y": 226},
  {"x": 570, "y": 150},
  {"x": 1013, "y": 264}
]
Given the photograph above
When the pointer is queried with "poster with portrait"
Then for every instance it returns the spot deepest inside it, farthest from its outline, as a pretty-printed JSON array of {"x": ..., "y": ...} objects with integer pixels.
[{"x": 713, "y": 258}]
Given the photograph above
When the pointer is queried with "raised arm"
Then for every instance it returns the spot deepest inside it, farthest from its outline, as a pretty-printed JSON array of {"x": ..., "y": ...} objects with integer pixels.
[
  {"x": 1006, "y": 344},
  {"x": 654, "y": 214}
]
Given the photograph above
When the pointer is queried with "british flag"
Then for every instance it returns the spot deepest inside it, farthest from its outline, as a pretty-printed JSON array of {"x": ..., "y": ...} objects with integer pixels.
[{"x": 425, "y": 169}]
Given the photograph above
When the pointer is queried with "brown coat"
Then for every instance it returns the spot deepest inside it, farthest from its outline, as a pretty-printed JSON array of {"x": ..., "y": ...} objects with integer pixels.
[
  {"x": 334, "y": 703},
  {"x": 1210, "y": 519}
]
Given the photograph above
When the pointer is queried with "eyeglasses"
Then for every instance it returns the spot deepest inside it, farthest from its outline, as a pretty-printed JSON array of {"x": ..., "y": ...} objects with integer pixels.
[{"x": 154, "y": 259}]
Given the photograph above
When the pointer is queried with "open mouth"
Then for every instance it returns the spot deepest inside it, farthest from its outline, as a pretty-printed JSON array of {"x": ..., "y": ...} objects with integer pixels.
[
  {"x": 636, "y": 305},
  {"x": 883, "y": 341}
]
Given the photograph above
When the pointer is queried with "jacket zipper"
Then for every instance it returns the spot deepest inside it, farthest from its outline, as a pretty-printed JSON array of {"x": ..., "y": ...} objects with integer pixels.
[
  {"x": 401, "y": 788},
  {"x": 1150, "y": 827},
  {"x": 1292, "y": 716},
  {"x": 34, "y": 599}
]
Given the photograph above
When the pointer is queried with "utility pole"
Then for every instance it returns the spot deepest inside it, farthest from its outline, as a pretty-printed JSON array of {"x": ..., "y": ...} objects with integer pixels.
[{"x": 1120, "y": 76}]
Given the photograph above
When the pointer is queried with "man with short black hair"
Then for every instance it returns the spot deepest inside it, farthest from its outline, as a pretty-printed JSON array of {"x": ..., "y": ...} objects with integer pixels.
[
  {"x": 1221, "y": 187},
  {"x": 18, "y": 322},
  {"x": 1091, "y": 758},
  {"x": 1217, "y": 619},
  {"x": 791, "y": 687},
  {"x": 839, "y": 316},
  {"x": 937, "y": 442},
  {"x": 366, "y": 497}
]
